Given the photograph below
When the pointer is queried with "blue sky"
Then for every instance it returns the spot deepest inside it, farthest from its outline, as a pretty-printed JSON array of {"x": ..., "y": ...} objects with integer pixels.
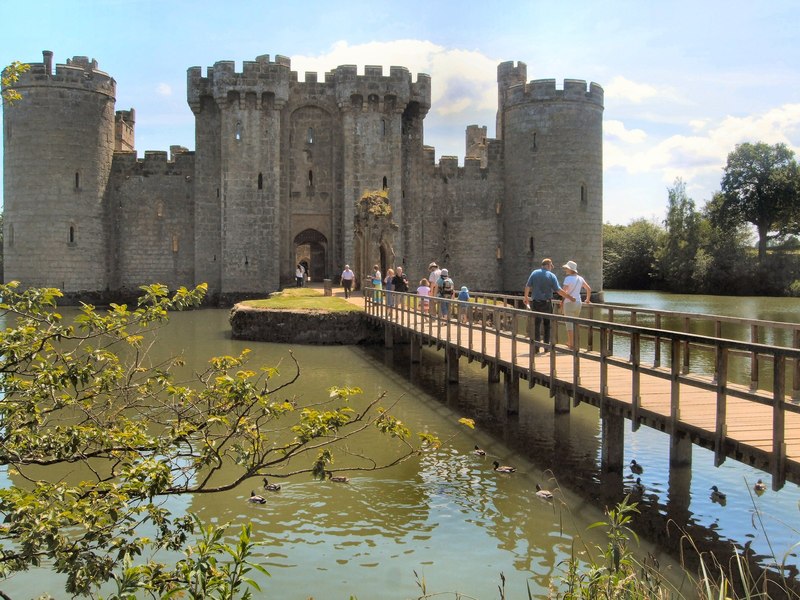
[{"x": 685, "y": 81}]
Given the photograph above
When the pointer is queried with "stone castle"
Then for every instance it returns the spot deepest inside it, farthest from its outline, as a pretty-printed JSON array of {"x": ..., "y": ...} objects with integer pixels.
[{"x": 276, "y": 178}]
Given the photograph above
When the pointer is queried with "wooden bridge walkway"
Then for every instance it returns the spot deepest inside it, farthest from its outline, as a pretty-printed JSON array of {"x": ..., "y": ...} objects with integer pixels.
[{"x": 728, "y": 395}]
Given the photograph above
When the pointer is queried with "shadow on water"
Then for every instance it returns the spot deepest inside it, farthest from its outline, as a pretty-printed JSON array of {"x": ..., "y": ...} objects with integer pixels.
[{"x": 675, "y": 504}]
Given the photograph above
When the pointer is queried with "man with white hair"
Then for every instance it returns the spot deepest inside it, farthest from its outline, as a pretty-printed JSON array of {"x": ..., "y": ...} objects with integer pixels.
[{"x": 347, "y": 280}]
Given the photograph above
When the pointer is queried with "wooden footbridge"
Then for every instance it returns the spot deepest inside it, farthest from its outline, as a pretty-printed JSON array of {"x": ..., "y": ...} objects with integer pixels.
[{"x": 703, "y": 379}]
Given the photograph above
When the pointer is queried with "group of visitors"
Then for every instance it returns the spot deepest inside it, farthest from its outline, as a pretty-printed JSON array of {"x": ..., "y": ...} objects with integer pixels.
[
  {"x": 539, "y": 290},
  {"x": 438, "y": 284}
]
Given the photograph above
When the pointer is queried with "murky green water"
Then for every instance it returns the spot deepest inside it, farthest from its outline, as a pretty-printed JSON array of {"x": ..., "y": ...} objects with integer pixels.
[{"x": 447, "y": 515}]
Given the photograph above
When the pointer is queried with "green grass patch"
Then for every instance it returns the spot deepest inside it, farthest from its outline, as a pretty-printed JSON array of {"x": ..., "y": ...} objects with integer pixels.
[{"x": 303, "y": 299}]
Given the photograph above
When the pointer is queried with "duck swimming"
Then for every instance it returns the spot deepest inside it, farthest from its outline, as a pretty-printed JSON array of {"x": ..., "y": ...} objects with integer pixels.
[
  {"x": 760, "y": 487},
  {"x": 271, "y": 487},
  {"x": 338, "y": 478},
  {"x": 717, "y": 496},
  {"x": 479, "y": 451},
  {"x": 256, "y": 499},
  {"x": 543, "y": 494},
  {"x": 503, "y": 468},
  {"x": 636, "y": 468}
]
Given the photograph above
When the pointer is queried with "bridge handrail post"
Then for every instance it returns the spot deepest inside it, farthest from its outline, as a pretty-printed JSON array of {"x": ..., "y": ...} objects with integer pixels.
[
  {"x": 513, "y": 343},
  {"x": 590, "y": 345},
  {"x": 675, "y": 386},
  {"x": 778, "y": 421},
  {"x": 721, "y": 370},
  {"x": 657, "y": 342},
  {"x": 633, "y": 322},
  {"x": 717, "y": 349},
  {"x": 753, "y": 359},
  {"x": 636, "y": 395},
  {"x": 604, "y": 333},
  {"x": 456, "y": 312},
  {"x": 610, "y": 333},
  {"x": 796, "y": 374},
  {"x": 483, "y": 328},
  {"x": 686, "y": 328},
  {"x": 496, "y": 321}
]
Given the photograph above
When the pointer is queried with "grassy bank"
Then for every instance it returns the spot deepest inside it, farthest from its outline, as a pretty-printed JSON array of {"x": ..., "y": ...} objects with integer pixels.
[{"x": 303, "y": 299}]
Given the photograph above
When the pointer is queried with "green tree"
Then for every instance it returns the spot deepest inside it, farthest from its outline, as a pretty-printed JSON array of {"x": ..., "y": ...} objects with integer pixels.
[
  {"x": 630, "y": 255},
  {"x": 9, "y": 77},
  {"x": 681, "y": 240},
  {"x": 84, "y": 394},
  {"x": 760, "y": 186},
  {"x": 724, "y": 263}
]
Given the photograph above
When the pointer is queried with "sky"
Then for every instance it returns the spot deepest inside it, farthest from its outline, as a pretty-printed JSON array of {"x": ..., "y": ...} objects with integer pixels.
[{"x": 684, "y": 81}]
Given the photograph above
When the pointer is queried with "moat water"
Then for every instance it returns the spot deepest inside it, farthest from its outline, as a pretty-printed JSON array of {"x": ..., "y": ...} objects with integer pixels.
[{"x": 447, "y": 515}]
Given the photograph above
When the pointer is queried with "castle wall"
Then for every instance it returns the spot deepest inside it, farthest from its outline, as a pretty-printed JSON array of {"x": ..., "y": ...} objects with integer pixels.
[
  {"x": 465, "y": 236},
  {"x": 58, "y": 141},
  {"x": 152, "y": 215}
]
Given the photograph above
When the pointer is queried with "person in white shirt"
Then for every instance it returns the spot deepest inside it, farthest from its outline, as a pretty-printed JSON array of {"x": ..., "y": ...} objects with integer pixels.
[
  {"x": 572, "y": 285},
  {"x": 347, "y": 280}
]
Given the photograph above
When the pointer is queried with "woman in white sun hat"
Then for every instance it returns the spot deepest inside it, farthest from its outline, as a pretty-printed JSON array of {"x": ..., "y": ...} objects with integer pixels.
[{"x": 573, "y": 283}]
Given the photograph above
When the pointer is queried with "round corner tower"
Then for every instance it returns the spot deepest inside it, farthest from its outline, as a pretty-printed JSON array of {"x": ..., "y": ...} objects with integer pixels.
[
  {"x": 58, "y": 144},
  {"x": 553, "y": 146}
]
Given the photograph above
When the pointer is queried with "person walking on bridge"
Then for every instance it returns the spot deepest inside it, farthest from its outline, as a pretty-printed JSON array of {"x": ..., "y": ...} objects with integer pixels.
[
  {"x": 542, "y": 284},
  {"x": 574, "y": 284}
]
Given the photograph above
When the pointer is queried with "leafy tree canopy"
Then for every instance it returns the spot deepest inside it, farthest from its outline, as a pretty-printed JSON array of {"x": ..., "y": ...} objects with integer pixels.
[{"x": 761, "y": 186}]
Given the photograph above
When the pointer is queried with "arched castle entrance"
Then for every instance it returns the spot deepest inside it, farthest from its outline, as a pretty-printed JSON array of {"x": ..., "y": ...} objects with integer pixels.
[{"x": 311, "y": 250}]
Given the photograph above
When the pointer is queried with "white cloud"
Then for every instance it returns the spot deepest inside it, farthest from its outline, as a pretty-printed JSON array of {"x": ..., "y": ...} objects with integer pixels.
[
  {"x": 624, "y": 89},
  {"x": 698, "y": 155},
  {"x": 463, "y": 82},
  {"x": 164, "y": 89},
  {"x": 616, "y": 130}
]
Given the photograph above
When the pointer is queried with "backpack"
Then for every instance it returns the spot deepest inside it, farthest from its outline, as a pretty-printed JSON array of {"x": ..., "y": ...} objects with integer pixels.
[{"x": 446, "y": 289}]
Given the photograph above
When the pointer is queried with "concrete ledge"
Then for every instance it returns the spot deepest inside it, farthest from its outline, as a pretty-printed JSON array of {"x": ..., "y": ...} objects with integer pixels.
[{"x": 303, "y": 326}]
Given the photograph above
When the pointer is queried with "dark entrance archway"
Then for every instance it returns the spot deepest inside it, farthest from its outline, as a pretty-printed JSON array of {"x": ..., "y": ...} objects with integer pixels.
[{"x": 311, "y": 250}]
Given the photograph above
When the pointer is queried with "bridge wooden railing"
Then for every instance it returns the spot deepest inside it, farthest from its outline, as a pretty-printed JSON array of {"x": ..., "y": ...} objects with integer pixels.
[{"x": 496, "y": 328}]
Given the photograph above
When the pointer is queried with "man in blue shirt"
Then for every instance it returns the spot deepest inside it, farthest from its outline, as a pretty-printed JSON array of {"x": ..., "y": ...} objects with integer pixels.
[{"x": 543, "y": 284}]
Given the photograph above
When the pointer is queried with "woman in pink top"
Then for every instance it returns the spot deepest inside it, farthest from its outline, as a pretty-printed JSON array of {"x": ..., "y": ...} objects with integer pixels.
[{"x": 424, "y": 290}]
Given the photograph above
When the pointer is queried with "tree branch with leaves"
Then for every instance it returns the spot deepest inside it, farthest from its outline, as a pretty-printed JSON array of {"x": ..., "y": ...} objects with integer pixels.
[{"x": 84, "y": 393}]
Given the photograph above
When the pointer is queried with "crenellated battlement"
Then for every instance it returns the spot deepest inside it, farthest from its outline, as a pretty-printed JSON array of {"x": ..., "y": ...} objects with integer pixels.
[
  {"x": 398, "y": 85},
  {"x": 264, "y": 76},
  {"x": 261, "y": 76},
  {"x": 155, "y": 162},
  {"x": 545, "y": 90},
  {"x": 78, "y": 73},
  {"x": 510, "y": 73}
]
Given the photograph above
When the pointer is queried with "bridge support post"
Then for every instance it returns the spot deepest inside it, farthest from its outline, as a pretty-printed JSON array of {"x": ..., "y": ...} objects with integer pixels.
[
  {"x": 494, "y": 373},
  {"x": 452, "y": 365},
  {"x": 511, "y": 392},
  {"x": 416, "y": 350},
  {"x": 613, "y": 442},
  {"x": 561, "y": 430},
  {"x": 679, "y": 492},
  {"x": 388, "y": 337},
  {"x": 680, "y": 450},
  {"x": 562, "y": 403}
]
